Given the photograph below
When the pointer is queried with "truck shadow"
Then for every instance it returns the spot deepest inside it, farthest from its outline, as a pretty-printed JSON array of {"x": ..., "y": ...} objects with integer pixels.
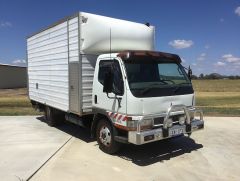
[
  {"x": 160, "y": 151},
  {"x": 73, "y": 130},
  {"x": 142, "y": 155}
]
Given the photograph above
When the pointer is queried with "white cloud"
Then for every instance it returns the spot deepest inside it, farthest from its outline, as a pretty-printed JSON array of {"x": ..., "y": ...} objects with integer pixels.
[
  {"x": 202, "y": 57},
  {"x": 237, "y": 11},
  {"x": 207, "y": 46},
  {"x": 180, "y": 44},
  {"x": 5, "y": 24},
  {"x": 183, "y": 60},
  {"x": 219, "y": 64},
  {"x": 230, "y": 58},
  {"x": 229, "y": 63},
  {"x": 194, "y": 64},
  {"x": 19, "y": 62}
]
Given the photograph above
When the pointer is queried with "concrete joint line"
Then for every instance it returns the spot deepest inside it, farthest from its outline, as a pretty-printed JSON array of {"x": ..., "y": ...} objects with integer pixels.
[{"x": 49, "y": 158}]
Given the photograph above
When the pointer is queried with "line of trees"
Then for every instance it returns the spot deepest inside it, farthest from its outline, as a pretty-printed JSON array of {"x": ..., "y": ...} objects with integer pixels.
[{"x": 215, "y": 76}]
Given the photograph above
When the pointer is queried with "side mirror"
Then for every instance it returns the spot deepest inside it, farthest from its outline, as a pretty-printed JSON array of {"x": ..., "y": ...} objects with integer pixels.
[
  {"x": 108, "y": 82},
  {"x": 189, "y": 73}
]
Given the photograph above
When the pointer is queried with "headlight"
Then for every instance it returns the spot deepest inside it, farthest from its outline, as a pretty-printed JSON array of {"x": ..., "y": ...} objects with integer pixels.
[
  {"x": 131, "y": 124},
  {"x": 169, "y": 122},
  {"x": 146, "y": 122},
  {"x": 182, "y": 120}
]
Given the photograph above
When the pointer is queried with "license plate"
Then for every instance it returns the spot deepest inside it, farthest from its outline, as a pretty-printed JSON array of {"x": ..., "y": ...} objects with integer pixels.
[{"x": 176, "y": 131}]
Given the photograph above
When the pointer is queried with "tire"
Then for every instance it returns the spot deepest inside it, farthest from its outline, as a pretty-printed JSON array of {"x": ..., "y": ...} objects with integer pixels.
[
  {"x": 105, "y": 137},
  {"x": 53, "y": 117}
]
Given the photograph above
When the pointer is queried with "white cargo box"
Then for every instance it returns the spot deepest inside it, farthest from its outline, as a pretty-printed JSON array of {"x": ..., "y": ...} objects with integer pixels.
[{"x": 61, "y": 58}]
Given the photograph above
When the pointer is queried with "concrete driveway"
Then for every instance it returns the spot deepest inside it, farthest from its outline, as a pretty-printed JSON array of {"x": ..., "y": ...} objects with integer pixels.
[
  {"x": 211, "y": 154},
  {"x": 26, "y": 143}
]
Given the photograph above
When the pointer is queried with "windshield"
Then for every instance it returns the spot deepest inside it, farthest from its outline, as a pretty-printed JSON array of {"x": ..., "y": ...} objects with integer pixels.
[{"x": 157, "y": 78}]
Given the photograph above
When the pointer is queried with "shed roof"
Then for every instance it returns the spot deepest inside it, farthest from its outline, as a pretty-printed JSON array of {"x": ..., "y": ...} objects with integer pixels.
[{"x": 8, "y": 65}]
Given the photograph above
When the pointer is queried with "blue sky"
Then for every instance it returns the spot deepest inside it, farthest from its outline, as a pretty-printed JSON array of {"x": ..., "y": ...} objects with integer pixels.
[{"x": 206, "y": 34}]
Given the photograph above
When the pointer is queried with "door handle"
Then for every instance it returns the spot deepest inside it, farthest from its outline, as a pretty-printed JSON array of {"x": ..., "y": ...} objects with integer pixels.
[{"x": 95, "y": 99}]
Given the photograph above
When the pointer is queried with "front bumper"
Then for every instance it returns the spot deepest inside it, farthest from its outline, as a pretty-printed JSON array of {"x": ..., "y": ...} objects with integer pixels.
[
  {"x": 148, "y": 136},
  {"x": 140, "y": 137}
]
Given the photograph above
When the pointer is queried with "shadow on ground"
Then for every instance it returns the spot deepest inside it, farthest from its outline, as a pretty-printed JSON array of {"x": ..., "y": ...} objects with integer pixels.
[
  {"x": 73, "y": 130},
  {"x": 142, "y": 155},
  {"x": 158, "y": 151}
]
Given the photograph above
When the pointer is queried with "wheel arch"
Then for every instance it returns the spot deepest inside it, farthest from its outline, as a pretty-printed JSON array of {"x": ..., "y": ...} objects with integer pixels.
[{"x": 96, "y": 118}]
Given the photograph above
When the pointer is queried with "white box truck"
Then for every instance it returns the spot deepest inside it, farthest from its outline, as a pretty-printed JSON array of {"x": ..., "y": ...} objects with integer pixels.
[{"x": 103, "y": 72}]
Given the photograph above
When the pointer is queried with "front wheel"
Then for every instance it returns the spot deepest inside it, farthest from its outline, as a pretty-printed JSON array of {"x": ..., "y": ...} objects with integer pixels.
[{"x": 105, "y": 137}]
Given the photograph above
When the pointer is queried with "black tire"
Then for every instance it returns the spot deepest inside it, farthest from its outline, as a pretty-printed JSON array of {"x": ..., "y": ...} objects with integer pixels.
[
  {"x": 111, "y": 146},
  {"x": 53, "y": 117}
]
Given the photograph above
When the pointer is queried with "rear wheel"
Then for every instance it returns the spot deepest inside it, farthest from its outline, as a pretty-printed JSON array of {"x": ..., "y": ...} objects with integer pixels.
[
  {"x": 105, "y": 137},
  {"x": 53, "y": 117}
]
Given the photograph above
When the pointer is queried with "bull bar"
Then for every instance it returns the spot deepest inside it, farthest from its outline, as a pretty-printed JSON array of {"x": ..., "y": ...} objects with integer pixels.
[{"x": 140, "y": 137}]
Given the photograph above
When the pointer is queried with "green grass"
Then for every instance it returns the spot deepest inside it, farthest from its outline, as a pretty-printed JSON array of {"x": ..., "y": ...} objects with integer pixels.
[{"x": 214, "y": 97}]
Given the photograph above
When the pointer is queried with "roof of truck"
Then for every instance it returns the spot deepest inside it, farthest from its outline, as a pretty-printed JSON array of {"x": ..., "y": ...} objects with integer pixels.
[
  {"x": 54, "y": 24},
  {"x": 136, "y": 54}
]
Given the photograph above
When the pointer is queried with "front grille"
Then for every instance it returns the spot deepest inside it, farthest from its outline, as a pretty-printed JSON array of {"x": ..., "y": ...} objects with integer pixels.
[
  {"x": 158, "y": 121},
  {"x": 175, "y": 118}
]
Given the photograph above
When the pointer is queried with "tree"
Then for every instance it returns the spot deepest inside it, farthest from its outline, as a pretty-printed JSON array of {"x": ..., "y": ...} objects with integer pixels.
[{"x": 201, "y": 76}]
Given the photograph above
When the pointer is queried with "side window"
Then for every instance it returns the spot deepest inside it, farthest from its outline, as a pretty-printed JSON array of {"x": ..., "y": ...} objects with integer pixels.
[
  {"x": 104, "y": 67},
  {"x": 118, "y": 87}
]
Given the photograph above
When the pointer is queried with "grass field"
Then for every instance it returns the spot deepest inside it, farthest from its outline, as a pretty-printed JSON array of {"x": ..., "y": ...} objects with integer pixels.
[
  {"x": 15, "y": 102},
  {"x": 215, "y": 97},
  {"x": 218, "y": 97}
]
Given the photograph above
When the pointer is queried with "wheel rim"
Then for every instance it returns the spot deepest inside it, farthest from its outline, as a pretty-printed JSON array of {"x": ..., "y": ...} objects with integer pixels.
[{"x": 105, "y": 136}]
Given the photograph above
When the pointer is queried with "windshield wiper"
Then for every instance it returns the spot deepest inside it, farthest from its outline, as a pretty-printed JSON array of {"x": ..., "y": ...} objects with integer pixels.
[
  {"x": 144, "y": 91},
  {"x": 179, "y": 87}
]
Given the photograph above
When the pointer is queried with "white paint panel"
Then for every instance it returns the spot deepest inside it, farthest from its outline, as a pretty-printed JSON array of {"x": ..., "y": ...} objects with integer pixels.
[
  {"x": 88, "y": 65},
  {"x": 50, "y": 46},
  {"x": 73, "y": 27},
  {"x": 125, "y": 35},
  {"x": 49, "y": 33},
  {"x": 51, "y": 57},
  {"x": 48, "y": 42},
  {"x": 73, "y": 21},
  {"x": 73, "y": 40},
  {"x": 50, "y": 51},
  {"x": 48, "y": 67}
]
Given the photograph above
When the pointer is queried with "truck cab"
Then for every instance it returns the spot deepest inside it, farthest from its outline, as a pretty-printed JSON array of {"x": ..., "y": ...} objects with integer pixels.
[{"x": 141, "y": 97}]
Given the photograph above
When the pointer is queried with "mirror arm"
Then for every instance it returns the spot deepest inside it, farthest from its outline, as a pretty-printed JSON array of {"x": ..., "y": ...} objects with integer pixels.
[
  {"x": 119, "y": 101},
  {"x": 118, "y": 98}
]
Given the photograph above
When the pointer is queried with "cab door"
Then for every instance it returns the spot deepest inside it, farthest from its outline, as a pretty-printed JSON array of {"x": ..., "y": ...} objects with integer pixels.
[{"x": 113, "y": 103}]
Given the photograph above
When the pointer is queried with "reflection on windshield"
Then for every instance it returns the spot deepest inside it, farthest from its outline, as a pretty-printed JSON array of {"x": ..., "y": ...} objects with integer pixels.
[{"x": 146, "y": 77}]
